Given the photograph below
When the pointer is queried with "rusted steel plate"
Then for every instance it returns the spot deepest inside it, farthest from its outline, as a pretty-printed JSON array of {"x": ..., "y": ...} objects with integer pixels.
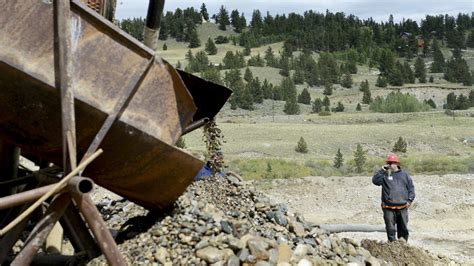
[{"x": 139, "y": 162}]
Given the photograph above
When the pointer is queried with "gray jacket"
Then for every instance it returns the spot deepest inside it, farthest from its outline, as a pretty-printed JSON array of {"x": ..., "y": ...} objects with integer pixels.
[{"x": 397, "y": 189}]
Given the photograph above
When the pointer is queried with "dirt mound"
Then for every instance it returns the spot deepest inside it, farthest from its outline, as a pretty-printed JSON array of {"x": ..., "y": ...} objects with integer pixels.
[{"x": 399, "y": 253}]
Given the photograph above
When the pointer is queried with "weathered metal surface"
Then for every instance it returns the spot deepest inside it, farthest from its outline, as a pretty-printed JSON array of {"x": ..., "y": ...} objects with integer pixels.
[{"x": 140, "y": 161}]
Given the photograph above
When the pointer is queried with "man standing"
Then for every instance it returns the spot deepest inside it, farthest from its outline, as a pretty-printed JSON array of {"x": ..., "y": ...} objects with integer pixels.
[{"x": 398, "y": 194}]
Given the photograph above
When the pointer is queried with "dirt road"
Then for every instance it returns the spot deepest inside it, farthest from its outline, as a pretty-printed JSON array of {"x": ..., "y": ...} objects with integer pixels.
[{"x": 441, "y": 218}]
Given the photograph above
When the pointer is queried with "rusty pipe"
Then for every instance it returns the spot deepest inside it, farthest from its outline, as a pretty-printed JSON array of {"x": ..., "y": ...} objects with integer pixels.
[
  {"x": 80, "y": 185},
  {"x": 99, "y": 229},
  {"x": 195, "y": 125},
  {"x": 24, "y": 197},
  {"x": 41, "y": 231},
  {"x": 152, "y": 24}
]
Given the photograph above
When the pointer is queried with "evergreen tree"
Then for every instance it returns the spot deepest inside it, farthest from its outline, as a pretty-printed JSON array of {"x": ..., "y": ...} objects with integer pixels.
[
  {"x": 211, "y": 48},
  {"x": 298, "y": 76},
  {"x": 328, "y": 69},
  {"x": 400, "y": 145},
  {"x": 194, "y": 39},
  {"x": 471, "y": 98},
  {"x": 247, "y": 100},
  {"x": 470, "y": 39},
  {"x": 451, "y": 100},
  {"x": 408, "y": 74},
  {"x": 288, "y": 89},
  {"x": 326, "y": 102},
  {"x": 317, "y": 105},
  {"x": 212, "y": 74},
  {"x": 204, "y": 13},
  {"x": 338, "y": 159},
  {"x": 267, "y": 89},
  {"x": 327, "y": 89},
  {"x": 256, "y": 60},
  {"x": 165, "y": 47},
  {"x": 235, "y": 20},
  {"x": 359, "y": 158},
  {"x": 420, "y": 71},
  {"x": 285, "y": 66},
  {"x": 178, "y": 65},
  {"x": 364, "y": 85},
  {"x": 347, "y": 80},
  {"x": 304, "y": 97},
  {"x": 301, "y": 146},
  {"x": 457, "y": 69},
  {"x": 222, "y": 18},
  {"x": 438, "y": 59},
  {"x": 431, "y": 103},
  {"x": 358, "y": 107},
  {"x": 367, "y": 96},
  {"x": 291, "y": 107},
  {"x": 248, "y": 76},
  {"x": 395, "y": 76},
  {"x": 339, "y": 107},
  {"x": 247, "y": 50},
  {"x": 270, "y": 57},
  {"x": 255, "y": 88},
  {"x": 431, "y": 80},
  {"x": 381, "y": 82}
]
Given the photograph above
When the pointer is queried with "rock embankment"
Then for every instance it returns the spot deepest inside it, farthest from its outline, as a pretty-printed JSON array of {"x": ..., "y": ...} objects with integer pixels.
[{"x": 221, "y": 221}]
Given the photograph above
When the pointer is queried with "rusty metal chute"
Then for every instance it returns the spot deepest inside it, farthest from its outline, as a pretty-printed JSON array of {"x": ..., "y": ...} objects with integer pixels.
[{"x": 140, "y": 161}]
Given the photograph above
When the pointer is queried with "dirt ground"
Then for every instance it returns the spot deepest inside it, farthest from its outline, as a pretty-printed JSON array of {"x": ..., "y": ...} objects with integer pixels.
[{"x": 441, "y": 218}]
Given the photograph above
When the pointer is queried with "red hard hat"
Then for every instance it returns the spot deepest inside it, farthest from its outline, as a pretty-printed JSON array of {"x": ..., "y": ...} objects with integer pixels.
[{"x": 392, "y": 158}]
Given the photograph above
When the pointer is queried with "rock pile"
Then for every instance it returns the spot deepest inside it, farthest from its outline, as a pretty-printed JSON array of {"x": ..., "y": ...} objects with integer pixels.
[{"x": 222, "y": 221}]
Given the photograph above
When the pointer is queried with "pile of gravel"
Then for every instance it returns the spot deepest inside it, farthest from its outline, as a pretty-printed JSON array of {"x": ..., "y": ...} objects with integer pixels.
[{"x": 222, "y": 221}]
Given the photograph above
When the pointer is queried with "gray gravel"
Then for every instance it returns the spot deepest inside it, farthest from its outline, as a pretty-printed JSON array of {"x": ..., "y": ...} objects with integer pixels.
[{"x": 221, "y": 221}]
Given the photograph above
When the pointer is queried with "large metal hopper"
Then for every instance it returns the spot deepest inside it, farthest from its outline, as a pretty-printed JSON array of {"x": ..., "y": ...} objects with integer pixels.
[{"x": 139, "y": 162}]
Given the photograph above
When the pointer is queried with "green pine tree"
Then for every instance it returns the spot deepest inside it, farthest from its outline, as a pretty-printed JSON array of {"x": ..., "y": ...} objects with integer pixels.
[
  {"x": 165, "y": 47},
  {"x": 304, "y": 97},
  {"x": 317, "y": 105},
  {"x": 420, "y": 71},
  {"x": 338, "y": 159},
  {"x": 180, "y": 143},
  {"x": 438, "y": 59},
  {"x": 381, "y": 82},
  {"x": 346, "y": 80},
  {"x": 358, "y": 107},
  {"x": 291, "y": 107},
  {"x": 211, "y": 48},
  {"x": 301, "y": 146},
  {"x": 400, "y": 145},
  {"x": 359, "y": 158},
  {"x": 367, "y": 97},
  {"x": 327, "y": 89},
  {"x": 248, "y": 76}
]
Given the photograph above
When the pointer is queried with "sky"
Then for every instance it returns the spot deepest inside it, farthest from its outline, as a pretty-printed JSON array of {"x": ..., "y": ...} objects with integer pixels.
[{"x": 379, "y": 10}]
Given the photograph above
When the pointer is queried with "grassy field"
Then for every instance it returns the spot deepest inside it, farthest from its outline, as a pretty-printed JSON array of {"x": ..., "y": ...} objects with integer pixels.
[{"x": 261, "y": 143}]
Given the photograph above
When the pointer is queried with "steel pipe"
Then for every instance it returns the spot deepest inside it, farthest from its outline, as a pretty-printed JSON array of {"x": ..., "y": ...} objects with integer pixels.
[
  {"x": 99, "y": 229},
  {"x": 24, "y": 197},
  {"x": 195, "y": 125},
  {"x": 80, "y": 185},
  {"x": 41, "y": 231}
]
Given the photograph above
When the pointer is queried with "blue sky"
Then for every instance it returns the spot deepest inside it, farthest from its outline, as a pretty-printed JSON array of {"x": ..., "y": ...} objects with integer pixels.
[{"x": 377, "y": 9}]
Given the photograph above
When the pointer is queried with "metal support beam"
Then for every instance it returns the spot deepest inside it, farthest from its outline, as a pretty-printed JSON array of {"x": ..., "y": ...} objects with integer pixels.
[
  {"x": 41, "y": 231},
  {"x": 63, "y": 72},
  {"x": 99, "y": 229}
]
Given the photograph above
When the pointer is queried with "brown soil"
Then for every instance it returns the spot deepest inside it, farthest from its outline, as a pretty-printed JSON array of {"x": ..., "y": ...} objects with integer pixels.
[{"x": 398, "y": 253}]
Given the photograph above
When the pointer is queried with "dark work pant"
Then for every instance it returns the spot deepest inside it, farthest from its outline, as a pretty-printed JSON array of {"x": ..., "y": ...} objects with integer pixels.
[{"x": 396, "y": 222}]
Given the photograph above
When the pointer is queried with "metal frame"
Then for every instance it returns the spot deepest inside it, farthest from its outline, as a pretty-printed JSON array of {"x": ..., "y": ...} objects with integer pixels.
[{"x": 72, "y": 199}]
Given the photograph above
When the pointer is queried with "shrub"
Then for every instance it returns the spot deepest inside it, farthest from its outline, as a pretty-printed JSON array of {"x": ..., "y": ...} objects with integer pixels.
[
  {"x": 180, "y": 143},
  {"x": 397, "y": 102},
  {"x": 324, "y": 113},
  {"x": 338, "y": 159},
  {"x": 301, "y": 146},
  {"x": 221, "y": 39},
  {"x": 400, "y": 145}
]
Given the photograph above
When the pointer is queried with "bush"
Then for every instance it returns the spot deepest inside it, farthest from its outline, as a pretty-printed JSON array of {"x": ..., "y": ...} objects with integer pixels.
[
  {"x": 301, "y": 146},
  {"x": 338, "y": 159},
  {"x": 397, "y": 102},
  {"x": 400, "y": 145},
  {"x": 324, "y": 113},
  {"x": 180, "y": 143},
  {"x": 221, "y": 39}
]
